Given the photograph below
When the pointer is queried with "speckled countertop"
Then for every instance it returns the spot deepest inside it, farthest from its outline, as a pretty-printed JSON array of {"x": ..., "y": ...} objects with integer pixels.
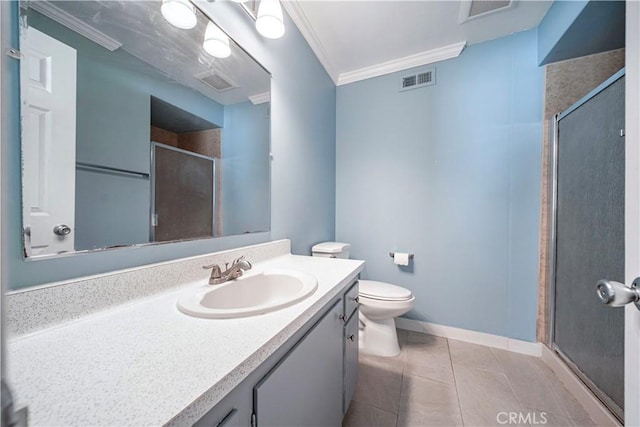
[{"x": 146, "y": 363}]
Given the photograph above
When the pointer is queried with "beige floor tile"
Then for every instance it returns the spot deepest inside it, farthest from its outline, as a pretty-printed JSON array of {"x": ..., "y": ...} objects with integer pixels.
[
  {"x": 529, "y": 383},
  {"x": 439, "y": 382},
  {"x": 475, "y": 356},
  {"x": 484, "y": 396},
  {"x": 428, "y": 358},
  {"x": 424, "y": 396},
  {"x": 431, "y": 418},
  {"x": 379, "y": 382},
  {"x": 362, "y": 415},
  {"x": 546, "y": 419},
  {"x": 583, "y": 422},
  {"x": 394, "y": 364},
  {"x": 420, "y": 338},
  {"x": 571, "y": 407}
]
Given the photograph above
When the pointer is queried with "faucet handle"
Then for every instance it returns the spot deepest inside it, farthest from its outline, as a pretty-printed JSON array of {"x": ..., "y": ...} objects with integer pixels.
[{"x": 216, "y": 273}]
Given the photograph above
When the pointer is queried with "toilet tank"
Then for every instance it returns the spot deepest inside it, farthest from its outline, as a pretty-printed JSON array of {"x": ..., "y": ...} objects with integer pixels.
[{"x": 331, "y": 250}]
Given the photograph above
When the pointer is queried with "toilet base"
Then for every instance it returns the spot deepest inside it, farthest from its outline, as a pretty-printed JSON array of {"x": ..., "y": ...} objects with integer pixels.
[{"x": 379, "y": 337}]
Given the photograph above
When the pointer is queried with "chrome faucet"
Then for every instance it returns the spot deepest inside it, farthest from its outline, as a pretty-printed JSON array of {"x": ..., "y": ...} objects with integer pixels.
[{"x": 238, "y": 266}]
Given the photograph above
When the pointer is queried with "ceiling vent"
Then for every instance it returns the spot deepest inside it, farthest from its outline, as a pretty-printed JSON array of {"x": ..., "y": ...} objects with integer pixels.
[
  {"x": 423, "y": 78},
  {"x": 217, "y": 81},
  {"x": 471, "y": 9}
]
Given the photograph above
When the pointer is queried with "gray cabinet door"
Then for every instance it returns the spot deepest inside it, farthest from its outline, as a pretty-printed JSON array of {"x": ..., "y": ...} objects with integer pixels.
[
  {"x": 350, "y": 359},
  {"x": 306, "y": 388}
]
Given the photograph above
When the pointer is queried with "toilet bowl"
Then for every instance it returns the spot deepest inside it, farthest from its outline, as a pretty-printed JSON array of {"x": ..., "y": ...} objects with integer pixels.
[{"x": 380, "y": 304}]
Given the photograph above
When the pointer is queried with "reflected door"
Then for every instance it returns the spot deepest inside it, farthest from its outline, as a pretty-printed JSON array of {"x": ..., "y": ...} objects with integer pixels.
[
  {"x": 183, "y": 188},
  {"x": 48, "y": 85}
]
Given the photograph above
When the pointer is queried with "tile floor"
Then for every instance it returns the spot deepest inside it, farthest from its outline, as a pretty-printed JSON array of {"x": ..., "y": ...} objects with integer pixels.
[{"x": 440, "y": 382}]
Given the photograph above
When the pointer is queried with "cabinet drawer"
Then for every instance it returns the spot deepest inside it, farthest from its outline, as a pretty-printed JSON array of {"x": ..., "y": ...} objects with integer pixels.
[
  {"x": 350, "y": 359},
  {"x": 351, "y": 300}
]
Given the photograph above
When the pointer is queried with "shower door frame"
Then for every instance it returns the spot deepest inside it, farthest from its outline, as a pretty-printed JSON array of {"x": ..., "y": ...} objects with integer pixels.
[
  {"x": 615, "y": 410},
  {"x": 152, "y": 180}
]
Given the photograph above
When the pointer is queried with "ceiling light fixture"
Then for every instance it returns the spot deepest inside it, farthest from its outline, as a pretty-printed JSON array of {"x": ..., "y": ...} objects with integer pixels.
[
  {"x": 179, "y": 13},
  {"x": 216, "y": 42},
  {"x": 270, "y": 22}
]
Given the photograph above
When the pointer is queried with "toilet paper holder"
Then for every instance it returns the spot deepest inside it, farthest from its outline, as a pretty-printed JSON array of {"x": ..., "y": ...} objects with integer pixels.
[{"x": 392, "y": 254}]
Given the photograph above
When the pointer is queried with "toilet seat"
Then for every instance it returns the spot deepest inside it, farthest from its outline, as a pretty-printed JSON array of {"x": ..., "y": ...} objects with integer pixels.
[{"x": 383, "y": 291}]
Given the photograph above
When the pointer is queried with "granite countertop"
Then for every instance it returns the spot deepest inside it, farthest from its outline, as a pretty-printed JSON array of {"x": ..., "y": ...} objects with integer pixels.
[{"x": 146, "y": 363}]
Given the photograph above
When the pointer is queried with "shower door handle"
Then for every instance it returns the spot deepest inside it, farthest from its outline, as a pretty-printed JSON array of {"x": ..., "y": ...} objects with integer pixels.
[{"x": 616, "y": 294}]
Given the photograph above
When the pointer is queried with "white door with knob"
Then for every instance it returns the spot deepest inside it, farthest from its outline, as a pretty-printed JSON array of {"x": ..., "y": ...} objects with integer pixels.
[{"x": 48, "y": 110}]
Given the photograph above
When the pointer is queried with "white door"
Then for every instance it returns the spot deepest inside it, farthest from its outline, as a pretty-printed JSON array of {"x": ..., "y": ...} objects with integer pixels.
[
  {"x": 632, "y": 213},
  {"x": 48, "y": 90}
]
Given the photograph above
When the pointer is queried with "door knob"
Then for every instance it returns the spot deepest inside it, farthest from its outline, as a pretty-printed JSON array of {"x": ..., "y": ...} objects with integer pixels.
[
  {"x": 616, "y": 294},
  {"x": 61, "y": 230}
]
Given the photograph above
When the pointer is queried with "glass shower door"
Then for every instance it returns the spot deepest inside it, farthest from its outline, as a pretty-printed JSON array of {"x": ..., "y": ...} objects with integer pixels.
[{"x": 590, "y": 240}]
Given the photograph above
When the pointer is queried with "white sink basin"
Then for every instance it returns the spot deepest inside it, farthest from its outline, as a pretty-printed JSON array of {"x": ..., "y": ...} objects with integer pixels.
[{"x": 253, "y": 293}]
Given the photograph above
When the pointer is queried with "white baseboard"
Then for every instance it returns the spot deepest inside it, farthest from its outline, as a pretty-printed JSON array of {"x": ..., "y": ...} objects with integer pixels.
[
  {"x": 596, "y": 410},
  {"x": 489, "y": 340}
]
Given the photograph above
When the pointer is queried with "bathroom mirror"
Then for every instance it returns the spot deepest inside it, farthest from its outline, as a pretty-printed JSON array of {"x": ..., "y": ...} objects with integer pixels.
[{"x": 133, "y": 133}]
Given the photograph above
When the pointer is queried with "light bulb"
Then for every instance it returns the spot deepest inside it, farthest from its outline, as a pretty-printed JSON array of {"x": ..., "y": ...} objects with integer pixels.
[
  {"x": 270, "y": 22},
  {"x": 179, "y": 13},
  {"x": 216, "y": 42}
]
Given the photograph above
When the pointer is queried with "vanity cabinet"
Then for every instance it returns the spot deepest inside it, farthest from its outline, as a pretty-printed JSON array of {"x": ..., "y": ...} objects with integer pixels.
[
  {"x": 305, "y": 388},
  {"x": 350, "y": 366},
  {"x": 310, "y": 380}
]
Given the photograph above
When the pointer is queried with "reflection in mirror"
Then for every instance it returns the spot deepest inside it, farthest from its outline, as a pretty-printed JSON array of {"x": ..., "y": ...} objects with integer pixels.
[{"x": 133, "y": 133}]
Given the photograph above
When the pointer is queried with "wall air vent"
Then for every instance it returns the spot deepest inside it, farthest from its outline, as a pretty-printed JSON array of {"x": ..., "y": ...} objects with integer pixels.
[
  {"x": 408, "y": 81},
  {"x": 217, "y": 81},
  {"x": 420, "y": 79}
]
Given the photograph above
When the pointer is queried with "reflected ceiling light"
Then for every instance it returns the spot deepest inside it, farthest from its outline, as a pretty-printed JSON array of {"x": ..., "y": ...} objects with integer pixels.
[
  {"x": 216, "y": 43},
  {"x": 179, "y": 13},
  {"x": 269, "y": 22}
]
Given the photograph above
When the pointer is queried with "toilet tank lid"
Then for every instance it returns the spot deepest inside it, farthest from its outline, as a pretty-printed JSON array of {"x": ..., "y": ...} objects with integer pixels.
[
  {"x": 383, "y": 291},
  {"x": 330, "y": 247}
]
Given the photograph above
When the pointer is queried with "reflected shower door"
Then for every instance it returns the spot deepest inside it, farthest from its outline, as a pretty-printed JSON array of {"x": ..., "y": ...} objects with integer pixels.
[
  {"x": 590, "y": 241},
  {"x": 183, "y": 196}
]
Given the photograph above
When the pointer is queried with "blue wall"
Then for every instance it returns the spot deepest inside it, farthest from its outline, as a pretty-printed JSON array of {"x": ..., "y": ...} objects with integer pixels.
[
  {"x": 571, "y": 29},
  {"x": 302, "y": 172},
  {"x": 245, "y": 161},
  {"x": 451, "y": 173}
]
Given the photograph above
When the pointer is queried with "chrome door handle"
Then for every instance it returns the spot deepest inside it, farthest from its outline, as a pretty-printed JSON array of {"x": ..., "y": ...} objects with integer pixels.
[
  {"x": 61, "y": 230},
  {"x": 616, "y": 294}
]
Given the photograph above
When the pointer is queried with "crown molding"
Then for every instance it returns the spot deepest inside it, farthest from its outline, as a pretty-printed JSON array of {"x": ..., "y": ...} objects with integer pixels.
[
  {"x": 54, "y": 12},
  {"x": 416, "y": 60},
  {"x": 301, "y": 21},
  {"x": 260, "y": 98}
]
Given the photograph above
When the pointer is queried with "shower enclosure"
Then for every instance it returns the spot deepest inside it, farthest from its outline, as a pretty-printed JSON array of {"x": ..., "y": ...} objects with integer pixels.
[
  {"x": 183, "y": 185},
  {"x": 588, "y": 239}
]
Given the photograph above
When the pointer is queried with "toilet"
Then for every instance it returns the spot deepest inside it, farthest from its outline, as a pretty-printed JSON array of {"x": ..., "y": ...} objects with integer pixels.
[{"x": 380, "y": 303}]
